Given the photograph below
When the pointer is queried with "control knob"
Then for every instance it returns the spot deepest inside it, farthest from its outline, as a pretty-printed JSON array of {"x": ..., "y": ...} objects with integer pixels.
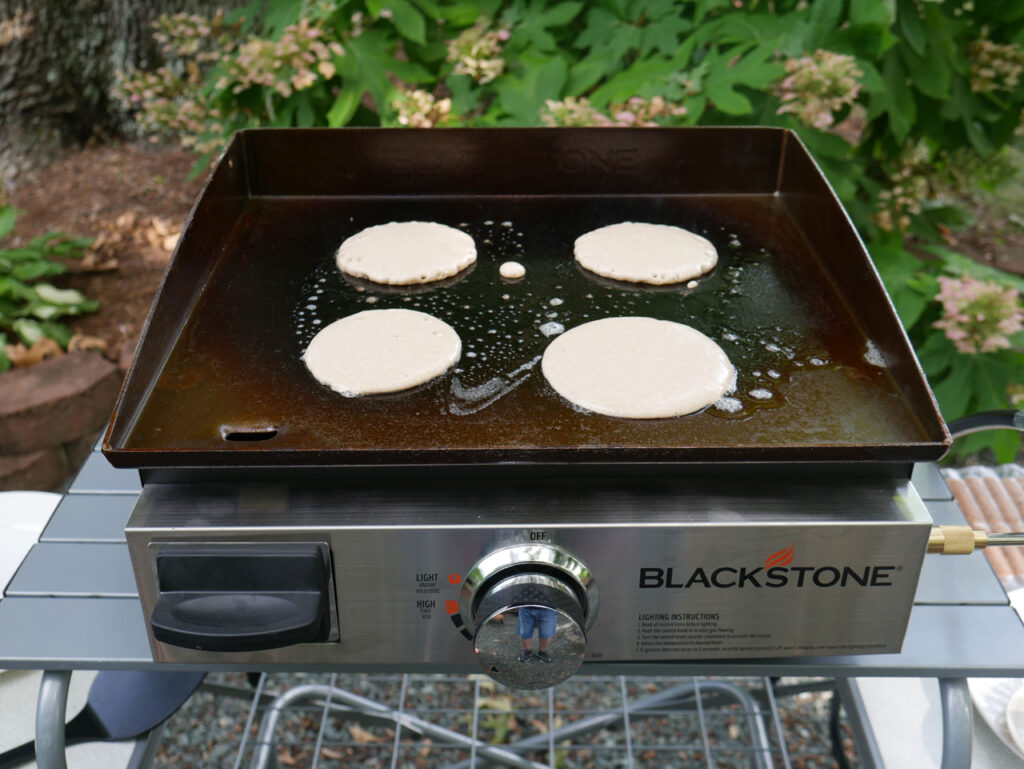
[{"x": 531, "y": 625}]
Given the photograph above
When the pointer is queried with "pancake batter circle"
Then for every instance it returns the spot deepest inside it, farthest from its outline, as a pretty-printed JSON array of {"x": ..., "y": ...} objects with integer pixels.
[
  {"x": 406, "y": 253},
  {"x": 382, "y": 351},
  {"x": 638, "y": 368},
  {"x": 635, "y": 252}
]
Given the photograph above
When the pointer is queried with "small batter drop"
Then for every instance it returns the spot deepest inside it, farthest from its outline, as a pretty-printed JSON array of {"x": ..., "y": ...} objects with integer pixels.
[{"x": 511, "y": 270}]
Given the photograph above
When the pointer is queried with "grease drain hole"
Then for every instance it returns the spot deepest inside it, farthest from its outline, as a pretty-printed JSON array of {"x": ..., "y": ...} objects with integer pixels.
[{"x": 248, "y": 434}]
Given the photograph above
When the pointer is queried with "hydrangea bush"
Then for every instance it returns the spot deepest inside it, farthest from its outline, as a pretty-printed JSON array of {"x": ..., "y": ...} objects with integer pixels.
[{"x": 895, "y": 98}]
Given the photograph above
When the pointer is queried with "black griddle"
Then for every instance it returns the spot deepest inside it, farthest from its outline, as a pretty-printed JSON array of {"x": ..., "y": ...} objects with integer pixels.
[{"x": 795, "y": 302}]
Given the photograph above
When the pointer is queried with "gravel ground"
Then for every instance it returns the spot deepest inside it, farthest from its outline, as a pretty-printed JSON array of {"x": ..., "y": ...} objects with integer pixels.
[{"x": 208, "y": 730}]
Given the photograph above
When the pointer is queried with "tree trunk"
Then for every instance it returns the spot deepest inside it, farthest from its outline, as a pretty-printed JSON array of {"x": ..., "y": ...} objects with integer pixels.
[{"x": 58, "y": 62}]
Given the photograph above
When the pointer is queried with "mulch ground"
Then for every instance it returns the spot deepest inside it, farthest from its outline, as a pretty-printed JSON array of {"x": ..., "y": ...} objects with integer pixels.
[{"x": 133, "y": 199}]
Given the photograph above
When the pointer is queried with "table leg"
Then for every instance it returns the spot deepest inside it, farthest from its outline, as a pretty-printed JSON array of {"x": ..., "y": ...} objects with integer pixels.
[
  {"x": 51, "y": 712},
  {"x": 957, "y": 723}
]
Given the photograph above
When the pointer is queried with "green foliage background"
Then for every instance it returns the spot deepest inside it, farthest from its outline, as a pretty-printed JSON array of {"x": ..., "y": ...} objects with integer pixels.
[{"x": 723, "y": 61}]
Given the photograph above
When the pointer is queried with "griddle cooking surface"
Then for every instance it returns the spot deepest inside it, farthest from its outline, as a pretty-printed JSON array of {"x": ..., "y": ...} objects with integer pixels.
[{"x": 804, "y": 377}]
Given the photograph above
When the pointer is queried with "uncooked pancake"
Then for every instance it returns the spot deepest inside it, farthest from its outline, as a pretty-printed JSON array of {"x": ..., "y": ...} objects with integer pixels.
[
  {"x": 382, "y": 351},
  {"x": 405, "y": 253},
  {"x": 640, "y": 368},
  {"x": 645, "y": 253}
]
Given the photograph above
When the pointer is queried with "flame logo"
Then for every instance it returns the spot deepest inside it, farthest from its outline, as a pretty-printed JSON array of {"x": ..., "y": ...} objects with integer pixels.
[{"x": 781, "y": 558}]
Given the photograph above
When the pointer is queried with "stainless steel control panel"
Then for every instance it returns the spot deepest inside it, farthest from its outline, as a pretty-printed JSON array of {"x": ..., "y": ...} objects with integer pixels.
[{"x": 437, "y": 576}]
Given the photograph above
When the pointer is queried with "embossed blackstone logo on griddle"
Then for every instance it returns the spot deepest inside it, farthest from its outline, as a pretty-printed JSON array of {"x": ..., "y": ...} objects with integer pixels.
[
  {"x": 776, "y": 572},
  {"x": 607, "y": 160}
]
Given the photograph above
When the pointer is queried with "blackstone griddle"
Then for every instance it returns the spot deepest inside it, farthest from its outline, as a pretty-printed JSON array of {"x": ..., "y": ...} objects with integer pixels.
[
  {"x": 218, "y": 379},
  {"x": 282, "y": 523}
]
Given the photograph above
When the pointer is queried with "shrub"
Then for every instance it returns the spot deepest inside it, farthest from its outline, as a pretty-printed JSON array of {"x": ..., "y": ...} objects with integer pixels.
[
  {"x": 892, "y": 97},
  {"x": 30, "y": 309}
]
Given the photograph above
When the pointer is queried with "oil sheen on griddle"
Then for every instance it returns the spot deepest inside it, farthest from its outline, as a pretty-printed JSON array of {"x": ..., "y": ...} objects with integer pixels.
[{"x": 807, "y": 375}]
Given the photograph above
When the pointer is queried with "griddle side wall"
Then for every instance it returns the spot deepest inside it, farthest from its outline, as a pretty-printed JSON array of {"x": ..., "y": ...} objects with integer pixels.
[
  {"x": 806, "y": 194},
  {"x": 206, "y": 231}
]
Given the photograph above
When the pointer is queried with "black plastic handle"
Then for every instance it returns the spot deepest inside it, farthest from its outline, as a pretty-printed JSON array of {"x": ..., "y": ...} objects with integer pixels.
[
  {"x": 229, "y": 622},
  {"x": 237, "y": 598},
  {"x": 1003, "y": 419}
]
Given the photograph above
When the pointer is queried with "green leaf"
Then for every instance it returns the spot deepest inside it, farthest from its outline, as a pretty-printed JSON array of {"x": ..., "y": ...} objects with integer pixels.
[
  {"x": 871, "y": 78},
  {"x": 435, "y": 12},
  {"x": 704, "y": 7},
  {"x": 823, "y": 143},
  {"x": 345, "y": 105},
  {"x": 648, "y": 75},
  {"x": 36, "y": 269},
  {"x": 46, "y": 311},
  {"x": 408, "y": 20},
  {"x": 58, "y": 332},
  {"x": 457, "y": 15},
  {"x": 953, "y": 392},
  {"x": 522, "y": 99},
  {"x": 725, "y": 99},
  {"x": 896, "y": 99},
  {"x": 601, "y": 24},
  {"x": 8, "y": 215},
  {"x": 875, "y": 13},
  {"x": 275, "y": 15},
  {"x": 15, "y": 289},
  {"x": 930, "y": 74},
  {"x": 55, "y": 295},
  {"x": 730, "y": 68},
  {"x": 30, "y": 331},
  {"x": 912, "y": 29},
  {"x": 992, "y": 375},
  {"x": 663, "y": 35},
  {"x": 958, "y": 264},
  {"x": 560, "y": 14},
  {"x": 362, "y": 64},
  {"x": 586, "y": 72},
  {"x": 305, "y": 117},
  {"x": 976, "y": 135},
  {"x": 824, "y": 18},
  {"x": 5, "y": 362}
]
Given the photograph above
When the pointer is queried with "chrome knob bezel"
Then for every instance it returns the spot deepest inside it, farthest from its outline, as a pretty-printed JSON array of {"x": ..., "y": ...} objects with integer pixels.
[{"x": 552, "y": 560}]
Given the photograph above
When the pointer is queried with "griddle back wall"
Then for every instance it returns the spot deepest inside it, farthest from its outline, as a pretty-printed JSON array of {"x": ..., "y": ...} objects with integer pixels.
[
  {"x": 833, "y": 239},
  {"x": 513, "y": 162},
  {"x": 206, "y": 233}
]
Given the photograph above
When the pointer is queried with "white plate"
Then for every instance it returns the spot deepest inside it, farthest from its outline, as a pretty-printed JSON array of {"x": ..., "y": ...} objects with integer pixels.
[
  {"x": 1015, "y": 718},
  {"x": 1000, "y": 701}
]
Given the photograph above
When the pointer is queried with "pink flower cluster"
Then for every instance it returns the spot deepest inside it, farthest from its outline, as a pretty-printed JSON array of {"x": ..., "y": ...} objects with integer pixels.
[
  {"x": 909, "y": 186},
  {"x": 978, "y": 316},
  {"x": 818, "y": 86},
  {"x": 477, "y": 51},
  {"x": 572, "y": 111},
  {"x": 184, "y": 35},
  {"x": 167, "y": 105},
  {"x": 417, "y": 108},
  {"x": 635, "y": 111},
  {"x": 292, "y": 63},
  {"x": 995, "y": 67}
]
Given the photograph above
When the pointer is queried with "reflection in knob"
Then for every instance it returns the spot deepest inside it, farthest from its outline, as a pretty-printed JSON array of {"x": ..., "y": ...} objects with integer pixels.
[{"x": 530, "y": 631}]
